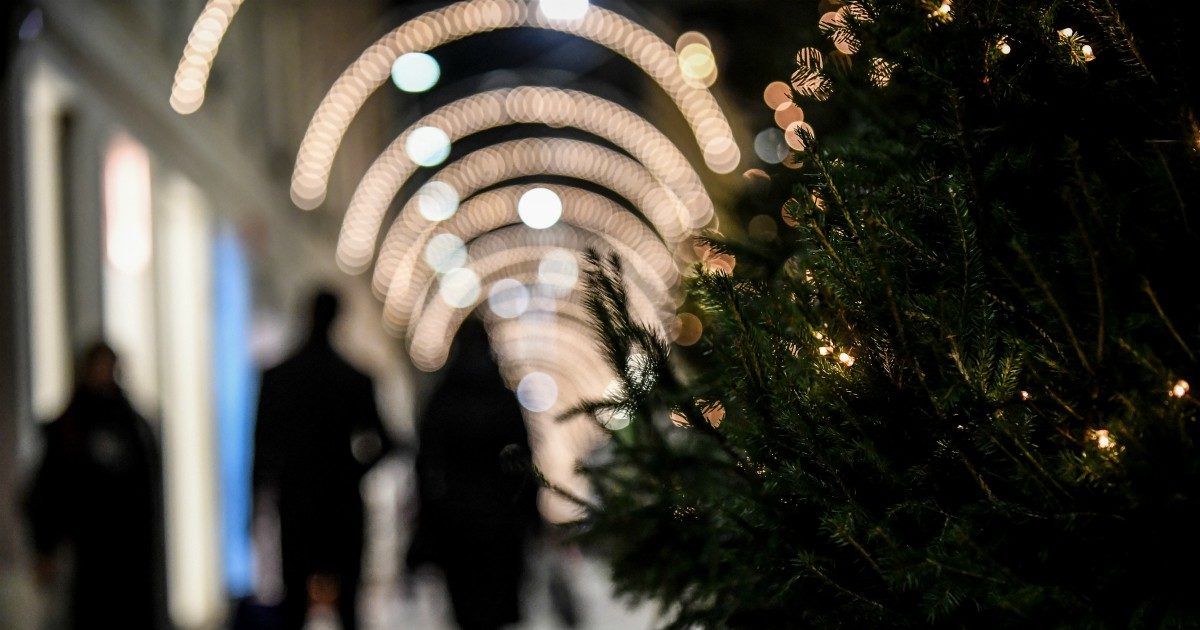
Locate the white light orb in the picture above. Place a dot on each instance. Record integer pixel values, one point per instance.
(563, 9)
(437, 201)
(614, 419)
(537, 391)
(427, 146)
(697, 63)
(770, 147)
(508, 298)
(415, 72)
(459, 288)
(558, 271)
(445, 252)
(539, 208)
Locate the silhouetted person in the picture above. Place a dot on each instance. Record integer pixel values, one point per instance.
(477, 500)
(318, 433)
(96, 491)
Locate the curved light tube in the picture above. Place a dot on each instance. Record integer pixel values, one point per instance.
(496, 108)
(432, 29)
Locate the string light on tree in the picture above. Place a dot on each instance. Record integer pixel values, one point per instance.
(845, 359)
(1180, 389)
(1003, 46)
(1103, 439)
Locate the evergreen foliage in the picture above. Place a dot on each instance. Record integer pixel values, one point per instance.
(1004, 246)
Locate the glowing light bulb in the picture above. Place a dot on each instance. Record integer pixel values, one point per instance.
(539, 208)
(445, 252)
(824, 351)
(563, 9)
(537, 391)
(1104, 439)
(459, 288)
(1025, 395)
(508, 298)
(437, 201)
(845, 359)
(1004, 47)
(1087, 52)
(944, 9)
(415, 72)
(427, 146)
(1180, 389)
(1067, 32)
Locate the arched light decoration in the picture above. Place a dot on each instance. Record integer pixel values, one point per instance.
(441, 26)
(191, 77)
(495, 108)
(433, 330)
(496, 208)
(531, 157)
(518, 247)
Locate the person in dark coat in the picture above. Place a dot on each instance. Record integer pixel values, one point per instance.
(318, 433)
(97, 492)
(477, 500)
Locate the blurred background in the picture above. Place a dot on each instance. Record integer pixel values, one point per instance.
(170, 224)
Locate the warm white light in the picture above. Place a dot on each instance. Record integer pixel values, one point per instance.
(1180, 389)
(770, 147)
(563, 9)
(558, 271)
(824, 350)
(427, 146)
(845, 359)
(508, 298)
(437, 201)
(697, 63)
(415, 72)
(1104, 439)
(539, 208)
(1067, 32)
(537, 391)
(1025, 395)
(459, 288)
(1005, 48)
(445, 252)
(127, 206)
(1086, 49)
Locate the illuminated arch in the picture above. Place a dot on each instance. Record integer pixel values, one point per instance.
(523, 158)
(432, 29)
(496, 209)
(496, 108)
(431, 332)
(520, 246)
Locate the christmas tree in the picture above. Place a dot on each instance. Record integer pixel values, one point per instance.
(954, 390)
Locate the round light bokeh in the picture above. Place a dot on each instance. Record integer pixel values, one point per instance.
(437, 201)
(427, 146)
(539, 208)
(508, 298)
(770, 147)
(459, 288)
(558, 271)
(697, 63)
(537, 392)
(415, 72)
(445, 252)
(563, 9)
(614, 419)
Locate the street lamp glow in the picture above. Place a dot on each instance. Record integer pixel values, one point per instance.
(563, 9)
(539, 208)
(427, 146)
(415, 72)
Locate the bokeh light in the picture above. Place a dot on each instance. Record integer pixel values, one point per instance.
(537, 392)
(445, 252)
(415, 72)
(459, 288)
(508, 298)
(539, 208)
(427, 146)
(770, 147)
(563, 9)
(437, 201)
(558, 271)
